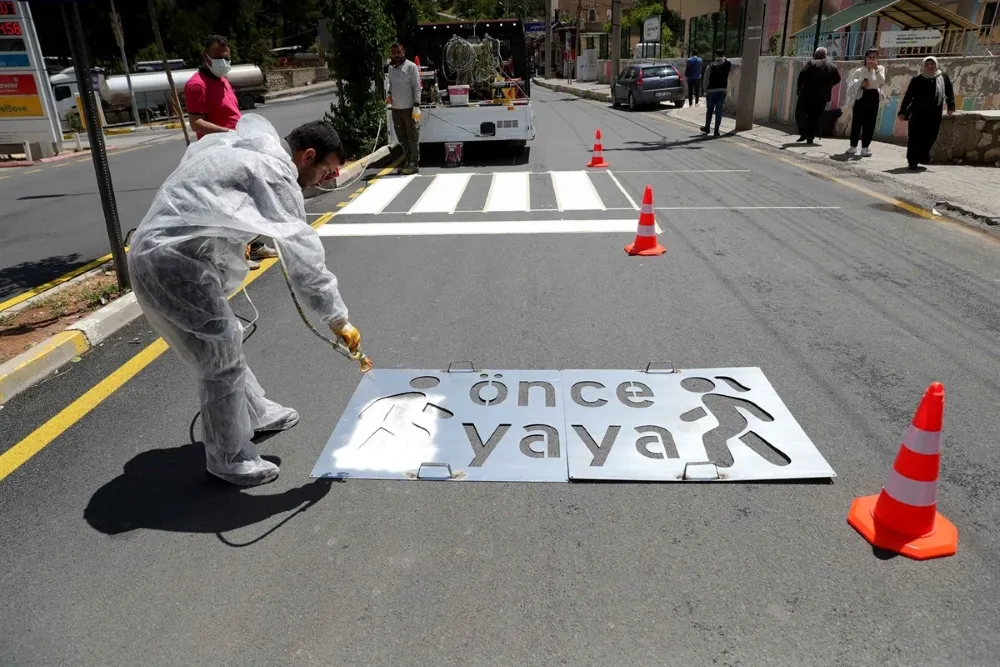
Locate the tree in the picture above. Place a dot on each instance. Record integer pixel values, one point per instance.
(361, 33)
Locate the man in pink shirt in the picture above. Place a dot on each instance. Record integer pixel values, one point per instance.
(212, 107)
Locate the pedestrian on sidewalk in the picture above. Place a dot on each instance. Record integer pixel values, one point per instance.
(212, 108)
(716, 86)
(404, 98)
(692, 72)
(865, 88)
(186, 258)
(922, 105)
(815, 86)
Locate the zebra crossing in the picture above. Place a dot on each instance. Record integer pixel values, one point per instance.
(501, 192)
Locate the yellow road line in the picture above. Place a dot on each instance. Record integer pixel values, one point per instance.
(38, 439)
(32, 171)
(24, 296)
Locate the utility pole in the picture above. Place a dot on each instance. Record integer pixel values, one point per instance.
(747, 91)
(784, 28)
(819, 24)
(98, 153)
(116, 27)
(166, 68)
(548, 39)
(616, 38)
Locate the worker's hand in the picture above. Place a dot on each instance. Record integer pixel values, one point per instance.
(348, 334)
(865, 84)
(416, 114)
(951, 112)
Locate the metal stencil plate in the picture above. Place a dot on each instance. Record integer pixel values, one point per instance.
(723, 424)
(423, 424)
(716, 424)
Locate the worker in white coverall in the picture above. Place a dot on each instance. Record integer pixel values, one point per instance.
(187, 257)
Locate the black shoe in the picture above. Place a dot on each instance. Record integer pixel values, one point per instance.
(800, 139)
(704, 130)
(718, 134)
(914, 166)
(810, 142)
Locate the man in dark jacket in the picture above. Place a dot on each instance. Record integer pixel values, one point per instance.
(816, 82)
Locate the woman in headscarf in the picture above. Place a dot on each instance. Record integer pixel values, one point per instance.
(864, 88)
(923, 103)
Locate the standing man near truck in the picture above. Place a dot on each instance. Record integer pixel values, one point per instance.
(212, 108)
(404, 98)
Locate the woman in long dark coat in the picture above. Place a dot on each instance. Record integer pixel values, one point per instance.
(923, 103)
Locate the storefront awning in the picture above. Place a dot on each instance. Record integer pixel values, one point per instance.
(909, 14)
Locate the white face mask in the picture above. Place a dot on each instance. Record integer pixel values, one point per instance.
(719, 60)
(220, 67)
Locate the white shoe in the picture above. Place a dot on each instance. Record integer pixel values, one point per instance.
(285, 420)
(852, 150)
(865, 152)
(244, 468)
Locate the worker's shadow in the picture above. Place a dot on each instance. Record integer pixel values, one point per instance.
(168, 489)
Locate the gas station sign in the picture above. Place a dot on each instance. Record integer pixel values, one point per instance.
(27, 109)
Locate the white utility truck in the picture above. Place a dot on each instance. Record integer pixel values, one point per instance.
(475, 84)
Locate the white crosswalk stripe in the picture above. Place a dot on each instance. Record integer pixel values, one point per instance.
(378, 195)
(509, 192)
(576, 192)
(443, 194)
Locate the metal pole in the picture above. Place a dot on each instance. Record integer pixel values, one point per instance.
(166, 68)
(784, 28)
(746, 93)
(116, 25)
(616, 38)
(548, 39)
(819, 23)
(81, 62)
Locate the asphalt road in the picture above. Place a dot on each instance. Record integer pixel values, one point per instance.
(116, 551)
(53, 222)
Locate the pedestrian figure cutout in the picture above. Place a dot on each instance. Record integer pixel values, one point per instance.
(396, 431)
(732, 438)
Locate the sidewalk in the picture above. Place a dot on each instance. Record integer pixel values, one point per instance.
(966, 189)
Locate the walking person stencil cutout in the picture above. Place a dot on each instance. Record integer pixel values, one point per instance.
(731, 440)
(398, 428)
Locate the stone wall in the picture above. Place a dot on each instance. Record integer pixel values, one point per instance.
(282, 79)
(969, 138)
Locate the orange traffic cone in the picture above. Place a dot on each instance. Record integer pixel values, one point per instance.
(597, 160)
(416, 61)
(903, 518)
(645, 237)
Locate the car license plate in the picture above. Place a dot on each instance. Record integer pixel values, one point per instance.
(661, 94)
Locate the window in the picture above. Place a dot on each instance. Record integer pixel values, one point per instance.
(592, 16)
(989, 18)
(62, 93)
(659, 72)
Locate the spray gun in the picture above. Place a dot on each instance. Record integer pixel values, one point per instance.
(364, 361)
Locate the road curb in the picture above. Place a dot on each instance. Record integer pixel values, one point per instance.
(41, 360)
(348, 173)
(304, 91)
(588, 94)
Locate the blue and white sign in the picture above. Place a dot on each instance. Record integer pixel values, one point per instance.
(537, 26)
(14, 61)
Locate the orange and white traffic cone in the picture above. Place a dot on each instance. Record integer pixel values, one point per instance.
(597, 159)
(903, 518)
(645, 236)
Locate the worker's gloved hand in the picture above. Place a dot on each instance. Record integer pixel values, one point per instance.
(416, 114)
(347, 333)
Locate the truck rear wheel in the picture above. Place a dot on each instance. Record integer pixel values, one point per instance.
(247, 101)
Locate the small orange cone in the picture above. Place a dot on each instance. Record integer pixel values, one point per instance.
(903, 518)
(645, 237)
(597, 160)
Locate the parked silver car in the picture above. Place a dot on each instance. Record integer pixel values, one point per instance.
(641, 85)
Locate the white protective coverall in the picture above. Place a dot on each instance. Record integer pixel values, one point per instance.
(187, 256)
